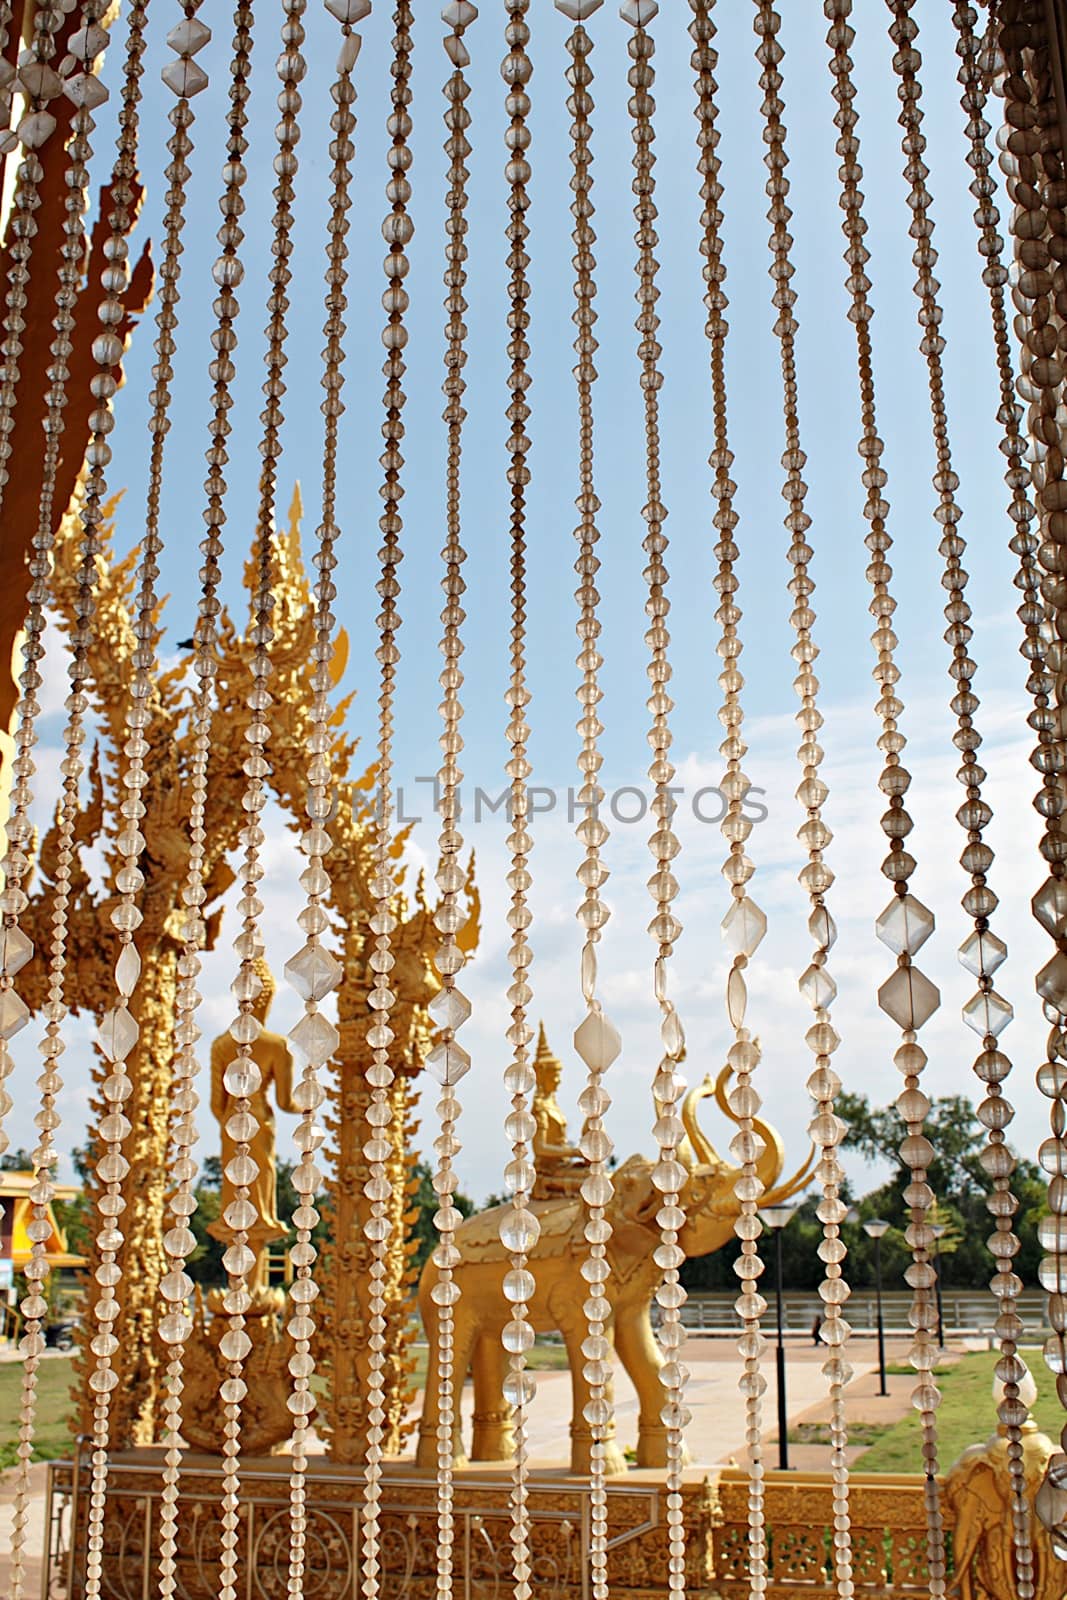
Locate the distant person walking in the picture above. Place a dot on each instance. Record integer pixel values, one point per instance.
(816, 1328)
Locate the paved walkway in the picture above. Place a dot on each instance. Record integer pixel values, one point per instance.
(35, 1530)
(716, 1434)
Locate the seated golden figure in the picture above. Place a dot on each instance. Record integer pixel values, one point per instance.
(559, 1165)
(272, 1056)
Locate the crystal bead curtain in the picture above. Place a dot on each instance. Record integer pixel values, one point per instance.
(63, 59)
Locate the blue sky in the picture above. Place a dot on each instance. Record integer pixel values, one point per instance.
(829, 426)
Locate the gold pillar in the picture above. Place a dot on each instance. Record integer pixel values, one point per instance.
(344, 1357)
(137, 1361)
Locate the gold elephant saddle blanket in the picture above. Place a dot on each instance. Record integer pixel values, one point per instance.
(562, 1220)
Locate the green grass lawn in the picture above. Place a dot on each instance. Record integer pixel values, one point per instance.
(542, 1358)
(966, 1415)
(53, 1400)
(53, 1408)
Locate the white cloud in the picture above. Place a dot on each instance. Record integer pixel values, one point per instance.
(776, 1012)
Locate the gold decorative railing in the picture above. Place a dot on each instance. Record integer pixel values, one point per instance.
(887, 1521)
(888, 1536)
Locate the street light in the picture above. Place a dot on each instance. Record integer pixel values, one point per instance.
(938, 1230)
(775, 1218)
(875, 1229)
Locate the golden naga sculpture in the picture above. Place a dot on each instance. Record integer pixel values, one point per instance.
(556, 1260)
(346, 1265)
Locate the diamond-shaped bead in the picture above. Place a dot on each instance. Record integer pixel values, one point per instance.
(88, 43)
(459, 14)
(36, 129)
(14, 1013)
(127, 970)
(578, 10)
(736, 998)
(743, 927)
(1049, 906)
(822, 928)
(454, 49)
(905, 925)
(313, 972)
(450, 1008)
(1052, 981)
(982, 953)
(16, 948)
(818, 988)
(349, 10)
(86, 90)
(184, 77)
(638, 12)
(597, 1041)
(448, 1063)
(316, 1038)
(909, 997)
(39, 81)
(987, 1013)
(188, 37)
(118, 1033)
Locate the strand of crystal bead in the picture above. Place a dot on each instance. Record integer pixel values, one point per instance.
(314, 971)
(242, 1077)
(669, 1174)
(744, 924)
(992, 1066)
(239, 1079)
(186, 39)
(15, 946)
(905, 923)
(519, 1228)
(397, 231)
(39, 84)
(448, 1060)
(816, 878)
(1033, 162)
(8, 136)
(981, 953)
(118, 1029)
(596, 1039)
(84, 49)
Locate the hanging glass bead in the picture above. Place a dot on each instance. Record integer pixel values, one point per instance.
(816, 878)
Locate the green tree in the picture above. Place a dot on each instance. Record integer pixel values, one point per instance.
(960, 1185)
(19, 1160)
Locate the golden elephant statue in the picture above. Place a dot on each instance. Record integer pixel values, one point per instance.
(481, 1311)
(978, 1505)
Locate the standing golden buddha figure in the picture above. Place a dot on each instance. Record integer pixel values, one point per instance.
(272, 1056)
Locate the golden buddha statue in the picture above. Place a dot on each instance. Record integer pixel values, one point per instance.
(272, 1056)
(559, 1165)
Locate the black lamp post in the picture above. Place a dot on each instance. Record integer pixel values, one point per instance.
(938, 1231)
(874, 1229)
(775, 1218)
